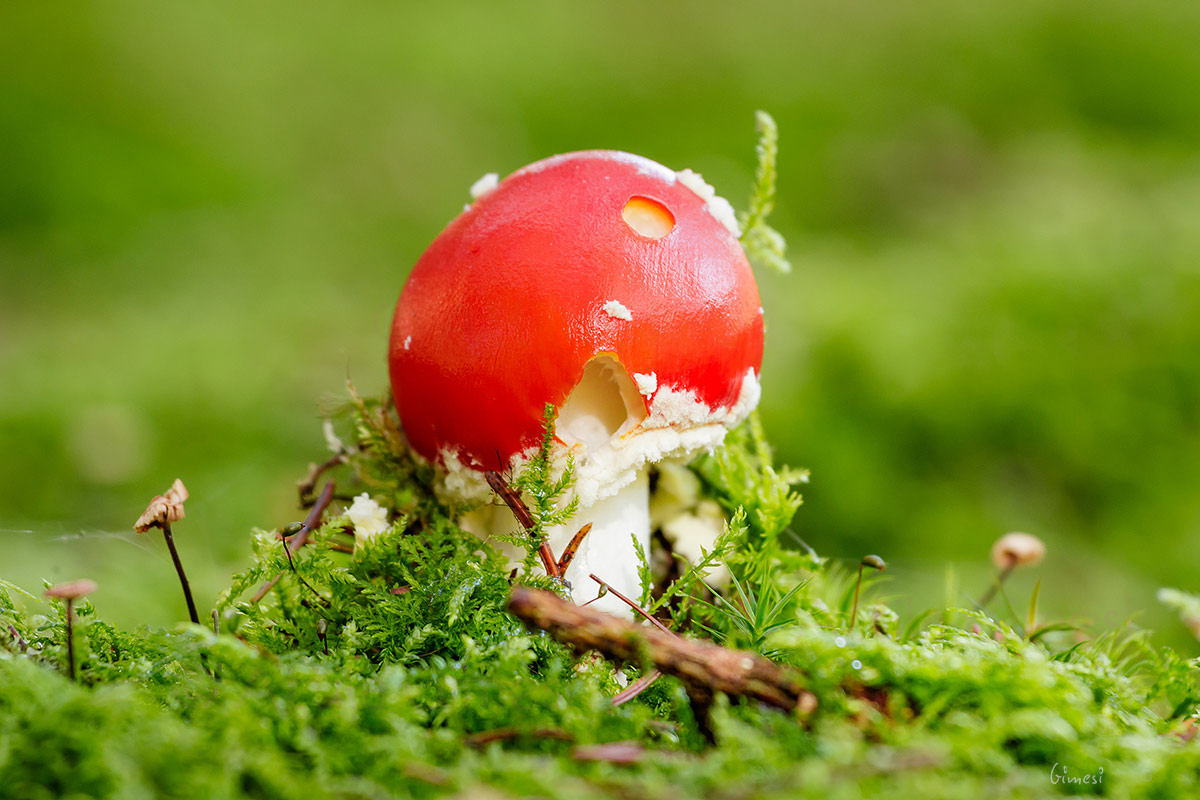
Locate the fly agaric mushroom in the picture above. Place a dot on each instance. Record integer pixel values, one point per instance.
(601, 283)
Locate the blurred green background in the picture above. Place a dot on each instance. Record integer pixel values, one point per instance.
(207, 212)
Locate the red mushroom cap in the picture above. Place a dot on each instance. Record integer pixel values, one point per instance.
(507, 307)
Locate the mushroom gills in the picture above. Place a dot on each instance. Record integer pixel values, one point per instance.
(603, 405)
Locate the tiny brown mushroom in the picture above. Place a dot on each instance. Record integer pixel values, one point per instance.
(1010, 551)
(160, 513)
(70, 592)
(163, 509)
(1018, 549)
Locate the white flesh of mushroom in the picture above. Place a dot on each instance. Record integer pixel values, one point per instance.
(604, 424)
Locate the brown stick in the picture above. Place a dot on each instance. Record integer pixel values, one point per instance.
(521, 512)
(646, 681)
(568, 555)
(503, 734)
(637, 687)
(311, 522)
(705, 668)
(315, 471)
(510, 498)
(649, 617)
(17, 637)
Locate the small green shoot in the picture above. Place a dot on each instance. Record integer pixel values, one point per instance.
(753, 615)
(764, 246)
(1186, 605)
(1031, 616)
(875, 563)
(645, 575)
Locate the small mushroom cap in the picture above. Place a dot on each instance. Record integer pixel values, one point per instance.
(1017, 550)
(72, 590)
(163, 509)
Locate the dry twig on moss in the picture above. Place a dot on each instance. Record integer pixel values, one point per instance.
(704, 667)
(307, 486)
(521, 511)
(311, 523)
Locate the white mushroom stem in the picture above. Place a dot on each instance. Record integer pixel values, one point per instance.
(608, 549)
(605, 425)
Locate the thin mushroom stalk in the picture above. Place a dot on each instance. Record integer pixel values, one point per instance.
(183, 579)
(998, 584)
(69, 593)
(71, 638)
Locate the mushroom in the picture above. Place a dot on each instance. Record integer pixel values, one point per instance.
(601, 283)
(70, 592)
(1012, 550)
(1017, 549)
(160, 513)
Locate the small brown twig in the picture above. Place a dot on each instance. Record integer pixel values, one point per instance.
(426, 773)
(646, 681)
(16, 635)
(649, 617)
(524, 517)
(637, 687)
(266, 587)
(611, 752)
(503, 734)
(568, 554)
(315, 471)
(311, 522)
(705, 668)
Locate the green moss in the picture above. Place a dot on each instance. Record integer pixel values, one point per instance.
(371, 676)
